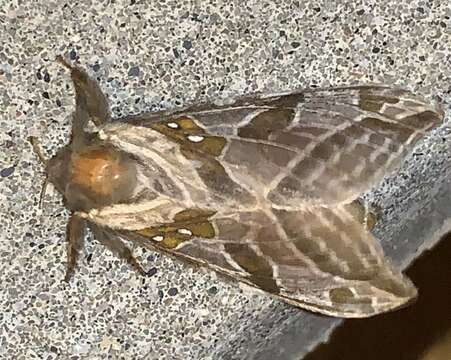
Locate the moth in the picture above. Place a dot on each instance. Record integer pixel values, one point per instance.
(264, 190)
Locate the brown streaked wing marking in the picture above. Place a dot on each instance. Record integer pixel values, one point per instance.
(374, 103)
(337, 243)
(321, 259)
(269, 159)
(213, 174)
(347, 155)
(259, 270)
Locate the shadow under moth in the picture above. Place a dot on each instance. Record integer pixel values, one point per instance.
(264, 190)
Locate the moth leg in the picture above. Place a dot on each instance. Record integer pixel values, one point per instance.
(75, 235)
(365, 213)
(37, 149)
(88, 94)
(116, 246)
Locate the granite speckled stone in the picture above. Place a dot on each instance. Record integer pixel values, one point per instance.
(165, 54)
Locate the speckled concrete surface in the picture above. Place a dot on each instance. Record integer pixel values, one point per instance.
(152, 55)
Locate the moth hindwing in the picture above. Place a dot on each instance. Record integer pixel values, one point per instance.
(264, 190)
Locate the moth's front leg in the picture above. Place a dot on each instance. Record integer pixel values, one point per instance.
(114, 243)
(89, 96)
(75, 235)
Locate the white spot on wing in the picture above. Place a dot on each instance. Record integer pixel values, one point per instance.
(185, 232)
(102, 135)
(173, 125)
(195, 138)
(158, 238)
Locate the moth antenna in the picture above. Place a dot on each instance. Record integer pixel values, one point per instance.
(37, 149)
(63, 62)
(43, 191)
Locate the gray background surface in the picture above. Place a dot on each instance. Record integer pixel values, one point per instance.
(163, 54)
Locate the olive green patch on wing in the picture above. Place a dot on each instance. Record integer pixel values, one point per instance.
(364, 214)
(193, 214)
(177, 129)
(191, 136)
(259, 270)
(345, 296)
(188, 224)
(348, 299)
(211, 145)
(267, 122)
(342, 295)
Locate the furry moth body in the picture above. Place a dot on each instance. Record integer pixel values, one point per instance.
(263, 190)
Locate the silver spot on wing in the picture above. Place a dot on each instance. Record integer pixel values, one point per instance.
(195, 138)
(185, 232)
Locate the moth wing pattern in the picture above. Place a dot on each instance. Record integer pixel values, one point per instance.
(264, 190)
(321, 258)
(322, 146)
(306, 157)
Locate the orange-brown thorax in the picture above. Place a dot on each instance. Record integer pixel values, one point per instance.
(103, 174)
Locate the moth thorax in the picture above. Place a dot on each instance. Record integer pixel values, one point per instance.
(104, 175)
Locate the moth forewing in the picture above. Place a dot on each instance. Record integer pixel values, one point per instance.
(263, 190)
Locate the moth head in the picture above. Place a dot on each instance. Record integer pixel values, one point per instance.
(92, 176)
